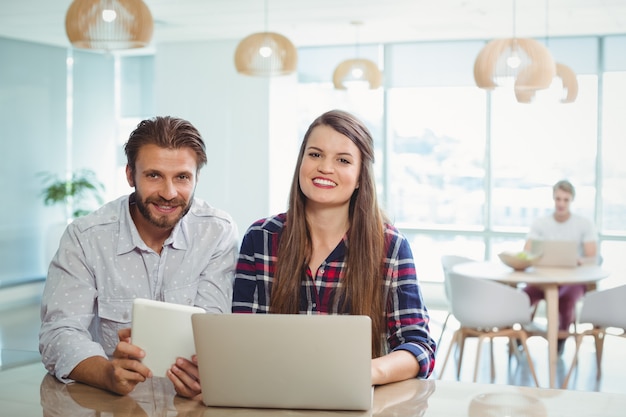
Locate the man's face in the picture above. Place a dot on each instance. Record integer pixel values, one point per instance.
(164, 181)
(562, 201)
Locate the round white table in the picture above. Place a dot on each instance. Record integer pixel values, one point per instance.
(549, 278)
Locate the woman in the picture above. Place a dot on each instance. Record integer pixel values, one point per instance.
(333, 252)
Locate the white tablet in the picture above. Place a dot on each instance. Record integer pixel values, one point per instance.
(163, 330)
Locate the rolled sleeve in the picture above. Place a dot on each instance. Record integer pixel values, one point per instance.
(407, 317)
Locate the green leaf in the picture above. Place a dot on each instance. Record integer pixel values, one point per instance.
(83, 186)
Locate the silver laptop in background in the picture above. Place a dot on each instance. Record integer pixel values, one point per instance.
(284, 361)
(556, 253)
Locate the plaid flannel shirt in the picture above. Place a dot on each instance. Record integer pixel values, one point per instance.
(407, 316)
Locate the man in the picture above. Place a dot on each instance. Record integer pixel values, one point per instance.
(159, 242)
(564, 225)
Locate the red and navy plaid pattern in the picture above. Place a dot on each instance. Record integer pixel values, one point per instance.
(407, 316)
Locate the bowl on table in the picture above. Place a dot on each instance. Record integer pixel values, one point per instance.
(518, 260)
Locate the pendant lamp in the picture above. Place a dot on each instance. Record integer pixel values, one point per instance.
(565, 73)
(266, 54)
(524, 60)
(357, 70)
(568, 79)
(109, 24)
(570, 82)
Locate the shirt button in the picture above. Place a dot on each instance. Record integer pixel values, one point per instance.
(322, 271)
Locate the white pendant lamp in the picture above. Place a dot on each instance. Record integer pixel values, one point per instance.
(266, 54)
(109, 24)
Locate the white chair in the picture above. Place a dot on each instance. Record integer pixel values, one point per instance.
(601, 309)
(447, 263)
(487, 309)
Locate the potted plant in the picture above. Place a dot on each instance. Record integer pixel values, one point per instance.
(78, 194)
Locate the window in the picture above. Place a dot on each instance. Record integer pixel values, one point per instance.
(535, 145)
(463, 171)
(436, 156)
(613, 166)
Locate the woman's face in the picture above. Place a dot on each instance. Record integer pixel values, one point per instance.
(330, 168)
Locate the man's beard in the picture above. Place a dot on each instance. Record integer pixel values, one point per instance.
(161, 222)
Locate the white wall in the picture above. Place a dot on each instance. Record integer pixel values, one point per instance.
(34, 137)
(236, 115)
(249, 124)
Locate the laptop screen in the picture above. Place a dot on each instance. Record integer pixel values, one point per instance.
(284, 361)
(558, 253)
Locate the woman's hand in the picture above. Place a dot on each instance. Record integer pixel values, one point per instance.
(393, 367)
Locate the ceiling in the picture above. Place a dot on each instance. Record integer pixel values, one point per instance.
(328, 22)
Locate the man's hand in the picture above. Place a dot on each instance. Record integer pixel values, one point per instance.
(186, 378)
(120, 374)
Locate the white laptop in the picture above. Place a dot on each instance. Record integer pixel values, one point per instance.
(559, 253)
(284, 361)
(163, 330)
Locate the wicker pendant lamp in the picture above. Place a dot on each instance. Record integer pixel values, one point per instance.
(109, 24)
(266, 54)
(357, 70)
(570, 86)
(524, 60)
(570, 82)
(565, 73)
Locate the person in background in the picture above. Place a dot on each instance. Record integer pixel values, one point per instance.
(334, 252)
(564, 225)
(159, 242)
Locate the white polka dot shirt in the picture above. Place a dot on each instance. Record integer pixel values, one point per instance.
(102, 265)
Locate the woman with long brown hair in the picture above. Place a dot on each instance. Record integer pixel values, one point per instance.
(334, 252)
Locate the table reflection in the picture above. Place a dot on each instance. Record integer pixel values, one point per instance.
(408, 398)
(506, 404)
(156, 397)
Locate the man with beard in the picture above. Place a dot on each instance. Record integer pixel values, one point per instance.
(159, 243)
